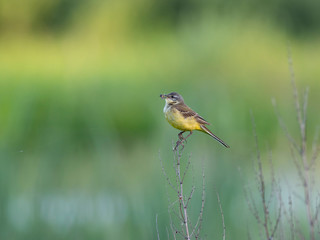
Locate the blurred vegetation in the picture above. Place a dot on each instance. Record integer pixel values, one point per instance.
(297, 17)
(81, 119)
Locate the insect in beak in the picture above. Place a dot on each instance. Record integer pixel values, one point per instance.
(163, 96)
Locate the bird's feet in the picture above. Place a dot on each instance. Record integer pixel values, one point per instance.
(181, 140)
(179, 143)
(181, 136)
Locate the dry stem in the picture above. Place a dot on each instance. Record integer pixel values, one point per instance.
(264, 220)
(179, 207)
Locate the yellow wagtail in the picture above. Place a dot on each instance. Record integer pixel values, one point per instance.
(180, 116)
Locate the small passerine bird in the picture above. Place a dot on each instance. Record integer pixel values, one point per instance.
(182, 117)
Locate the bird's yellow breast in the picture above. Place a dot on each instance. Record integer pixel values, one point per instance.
(177, 120)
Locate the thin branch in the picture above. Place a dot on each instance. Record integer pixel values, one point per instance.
(292, 227)
(173, 203)
(180, 222)
(190, 196)
(251, 204)
(187, 168)
(297, 164)
(301, 117)
(284, 127)
(157, 227)
(295, 89)
(315, 218)
(166, 176)
(261, 181)
(305, 106)
(181, 198)
(177, 215)
(197, 226)
(222, 217)
(278, 218)
(273, 180)
(174, 232)
(315, 149)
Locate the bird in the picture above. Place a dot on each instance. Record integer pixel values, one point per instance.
(182, 117)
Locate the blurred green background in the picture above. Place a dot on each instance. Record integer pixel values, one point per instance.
(81, 121)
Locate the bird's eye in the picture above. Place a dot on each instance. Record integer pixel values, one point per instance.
(172, 97)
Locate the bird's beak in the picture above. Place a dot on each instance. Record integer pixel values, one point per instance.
(163, 96)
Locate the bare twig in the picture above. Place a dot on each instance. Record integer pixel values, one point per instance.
(180, 222)
(291, 219)
(302, 118)
(187, 168)
(251, 204)
(181, 198)
(261, 182)
(166, 175)
(190, 196)
(263, 216)
(278, 218)
(284, 127)
(273, 180)
(198, 225)
(174, 231)
(222, 217)
(157, 227)
(271, 227)
(315, 149)
(315, 219)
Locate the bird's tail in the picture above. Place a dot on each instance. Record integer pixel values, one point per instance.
(206, 130)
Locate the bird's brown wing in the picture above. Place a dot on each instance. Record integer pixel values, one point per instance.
(201, 120)
(188, 112)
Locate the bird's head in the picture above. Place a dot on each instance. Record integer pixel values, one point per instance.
(172, 98)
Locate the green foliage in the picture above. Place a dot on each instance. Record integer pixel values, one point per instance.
(297, 17)
(56, 15)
